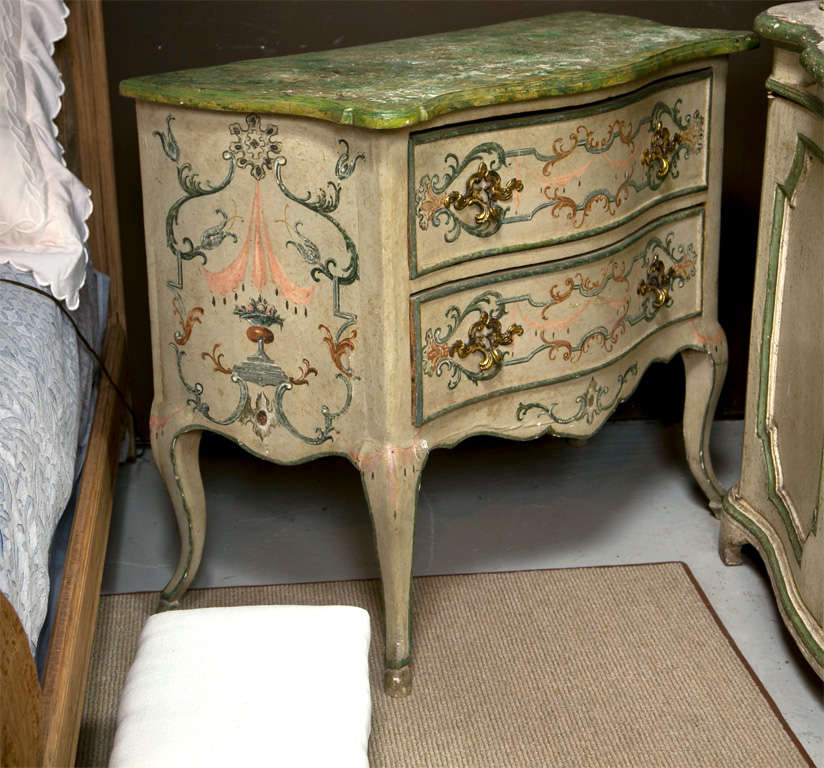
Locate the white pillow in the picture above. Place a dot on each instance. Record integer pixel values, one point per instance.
(43, 206)
(263, 685)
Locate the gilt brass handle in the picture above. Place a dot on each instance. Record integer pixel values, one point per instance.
(661, 150)
(483, 188)
(485, 337)
(657, 281)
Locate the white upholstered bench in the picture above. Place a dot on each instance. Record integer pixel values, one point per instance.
(248, 686)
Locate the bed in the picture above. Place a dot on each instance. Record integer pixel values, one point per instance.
(40, 718)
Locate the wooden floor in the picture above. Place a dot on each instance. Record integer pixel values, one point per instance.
(489, 505)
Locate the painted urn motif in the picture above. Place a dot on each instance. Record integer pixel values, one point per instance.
(259, 367)
(261, 316)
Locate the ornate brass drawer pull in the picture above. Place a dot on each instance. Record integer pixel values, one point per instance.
(661, 150)
(486, 343)
(483, 188)
(657, 281)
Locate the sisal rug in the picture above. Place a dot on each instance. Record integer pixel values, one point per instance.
(604, 667)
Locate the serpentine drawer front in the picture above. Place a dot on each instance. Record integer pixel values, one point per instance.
(373, 252)
(580, 171)
(569, 317)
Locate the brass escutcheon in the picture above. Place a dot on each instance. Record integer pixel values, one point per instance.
(657, 281)
(483, 188)
(661, 150)
(485, 337)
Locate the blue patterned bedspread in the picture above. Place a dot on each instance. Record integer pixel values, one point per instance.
(45, 414)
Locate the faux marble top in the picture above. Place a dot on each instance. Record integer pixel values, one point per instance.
(404, 82)
(799, 26)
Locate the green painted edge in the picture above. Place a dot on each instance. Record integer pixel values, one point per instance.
(428, 135)
(143, 89)
(548, 117)
(795, 36)
(517, 247)
(783, 192)
(817, 510)
(540, 269)
(806, 100)
(707, 425)
(769, 555)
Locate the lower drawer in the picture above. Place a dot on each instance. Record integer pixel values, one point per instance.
(529, 327)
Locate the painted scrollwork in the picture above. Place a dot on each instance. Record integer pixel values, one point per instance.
(345, 166)
(591, 403)
(254, 147)
(431, 193)
(586, 285)
(193, 188)
(659, 161)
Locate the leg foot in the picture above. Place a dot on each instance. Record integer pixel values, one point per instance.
(730, 541)
(178, 462)
(705, 370)
(390, 479)
(397, 682)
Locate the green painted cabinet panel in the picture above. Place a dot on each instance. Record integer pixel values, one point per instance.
(776, 504)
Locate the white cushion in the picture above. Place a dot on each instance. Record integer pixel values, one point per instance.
(43, 206)
(248, 686)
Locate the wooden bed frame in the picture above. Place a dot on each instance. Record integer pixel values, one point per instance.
(40, 725)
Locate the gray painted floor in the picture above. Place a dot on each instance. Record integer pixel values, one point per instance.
(625, 496)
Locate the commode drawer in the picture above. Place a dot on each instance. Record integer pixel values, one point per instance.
(563, 174)
(524, 328)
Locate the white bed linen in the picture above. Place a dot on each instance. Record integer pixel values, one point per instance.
(45, 412)
(43, 206)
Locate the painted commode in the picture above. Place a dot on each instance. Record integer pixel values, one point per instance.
(776, 505)
(377, 251)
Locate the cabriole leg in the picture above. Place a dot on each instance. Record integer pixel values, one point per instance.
(705, 370)
(179, 464)
(390, 481)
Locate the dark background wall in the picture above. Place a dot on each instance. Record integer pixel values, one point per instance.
(149, 37)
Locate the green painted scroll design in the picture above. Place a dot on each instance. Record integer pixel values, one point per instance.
(265, 414)
(431, 191)
(193, 188)
(196, 392)
(324, 203)
(590, 402)
(345, 166)
(168, 141)
(805, 148)
(435, 359)
(254, 147)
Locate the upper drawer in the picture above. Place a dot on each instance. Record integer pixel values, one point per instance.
(583, 170)
(566, 317)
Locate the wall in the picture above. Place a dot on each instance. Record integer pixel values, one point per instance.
(150, 37)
